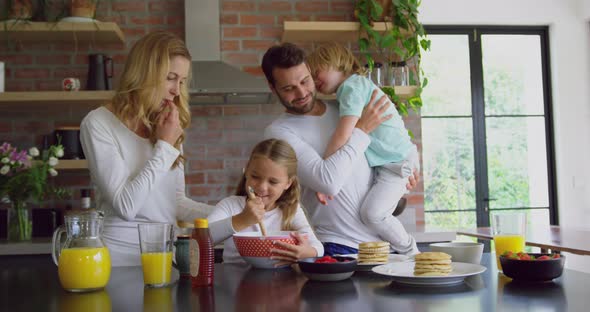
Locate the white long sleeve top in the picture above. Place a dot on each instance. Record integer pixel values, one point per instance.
(345, 174)
(222, 229)
(134, 183)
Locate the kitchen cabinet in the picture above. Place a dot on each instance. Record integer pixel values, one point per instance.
(95, 32)
(296, 31)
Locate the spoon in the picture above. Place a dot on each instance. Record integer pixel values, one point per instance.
(251, 195)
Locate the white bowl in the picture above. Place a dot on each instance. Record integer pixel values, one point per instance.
(468, 252)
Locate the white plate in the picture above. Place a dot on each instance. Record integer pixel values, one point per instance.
(368, 266)
(403, 272)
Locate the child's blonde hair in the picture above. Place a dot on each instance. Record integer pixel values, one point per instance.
(333, 55)
(279, 152)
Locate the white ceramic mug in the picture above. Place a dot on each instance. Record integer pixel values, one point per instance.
(468, 252)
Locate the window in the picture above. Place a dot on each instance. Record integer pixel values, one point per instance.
(486, 126)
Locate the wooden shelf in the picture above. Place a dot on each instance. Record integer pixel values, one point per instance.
(403, 92)
(97, 32)
(52, 99)
(294, 31)
(72, 164)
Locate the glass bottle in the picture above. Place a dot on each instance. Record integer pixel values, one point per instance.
(399, 74)
(202, 258)
(85, 201)
(377, 75)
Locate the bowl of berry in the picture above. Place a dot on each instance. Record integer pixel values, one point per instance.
(532, 267)
(328, 268)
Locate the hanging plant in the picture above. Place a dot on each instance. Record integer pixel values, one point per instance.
(403, 40)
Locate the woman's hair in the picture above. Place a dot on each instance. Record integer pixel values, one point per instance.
(281, 153)
(140, 88)
(333, 55)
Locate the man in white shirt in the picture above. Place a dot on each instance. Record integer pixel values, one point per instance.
(307, 125)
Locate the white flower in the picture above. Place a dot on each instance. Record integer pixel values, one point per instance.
(33, 151)
(5, 160)
(4, 169)
(52, 172)
(53, 161)
(59, 152)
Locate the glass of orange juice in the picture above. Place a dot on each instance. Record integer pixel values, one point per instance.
(155, 242)
(508, 230)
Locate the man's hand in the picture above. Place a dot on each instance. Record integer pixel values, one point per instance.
(372, 115)
(323, 198)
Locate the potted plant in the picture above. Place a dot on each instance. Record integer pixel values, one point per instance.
(20, 9)
(83, 8)
(402, 40)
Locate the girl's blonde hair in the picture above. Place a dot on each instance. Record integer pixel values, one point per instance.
(333, 55)
(140, 89)
(280, 152)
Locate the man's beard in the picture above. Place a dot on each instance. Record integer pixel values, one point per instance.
(298, 110)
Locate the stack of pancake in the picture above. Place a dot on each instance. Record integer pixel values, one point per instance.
(432, 264)
(373, 253)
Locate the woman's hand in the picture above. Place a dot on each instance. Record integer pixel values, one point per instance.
(292, 253)
(252, 214)
(168, 128)
(372, 115)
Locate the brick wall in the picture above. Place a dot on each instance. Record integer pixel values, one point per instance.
(221, 136)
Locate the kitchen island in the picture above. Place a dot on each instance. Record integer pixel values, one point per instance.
(30, 283)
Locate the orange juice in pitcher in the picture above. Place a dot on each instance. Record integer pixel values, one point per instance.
(83, 261)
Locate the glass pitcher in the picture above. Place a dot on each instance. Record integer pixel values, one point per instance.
(83, 260)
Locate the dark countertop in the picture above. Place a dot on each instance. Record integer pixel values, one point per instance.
(30, 283)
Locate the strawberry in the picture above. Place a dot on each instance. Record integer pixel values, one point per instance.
(524, 256)
(544, 258)
(556, 256)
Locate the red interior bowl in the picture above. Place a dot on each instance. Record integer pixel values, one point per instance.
(253, 244)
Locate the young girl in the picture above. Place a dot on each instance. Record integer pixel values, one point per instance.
(391, 152)
(271, 174)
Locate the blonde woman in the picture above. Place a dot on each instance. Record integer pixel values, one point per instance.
(133, 146)
(271, 173)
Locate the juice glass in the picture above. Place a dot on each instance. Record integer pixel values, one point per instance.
(508, 230)
(155, 241)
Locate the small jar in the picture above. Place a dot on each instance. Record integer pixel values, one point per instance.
(399, 75)
(377, 74)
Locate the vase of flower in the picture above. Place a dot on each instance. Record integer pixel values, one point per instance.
(24, 176)
(20, 225)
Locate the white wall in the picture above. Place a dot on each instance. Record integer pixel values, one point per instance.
(585, 8)
(569, 38)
